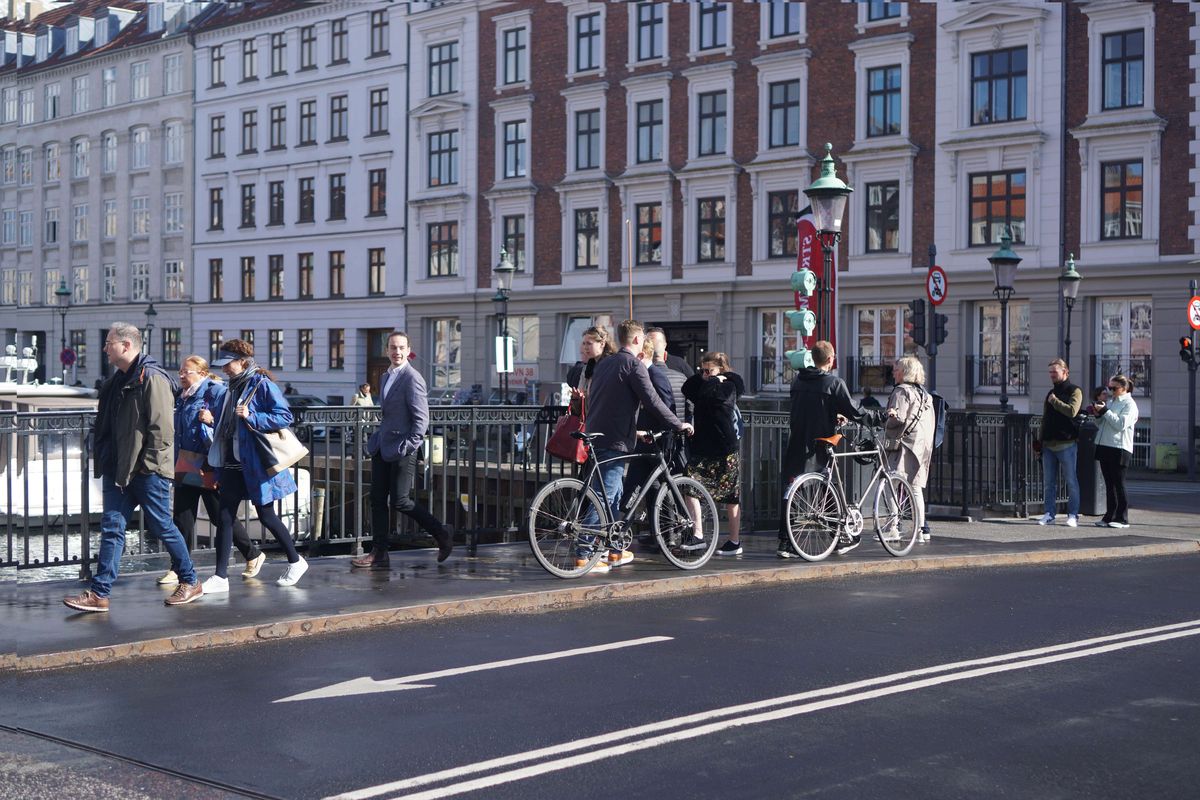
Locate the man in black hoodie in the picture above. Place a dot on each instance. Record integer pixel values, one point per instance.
(818, 399)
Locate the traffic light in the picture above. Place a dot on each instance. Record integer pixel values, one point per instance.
(1186, 352)
(799, 359)
(939, 328)
(803, 322)
(916, 315)
(804, 282)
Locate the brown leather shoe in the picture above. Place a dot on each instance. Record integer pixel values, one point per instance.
(87, 601)
(376, 559)
(185, 593)
(445, 543)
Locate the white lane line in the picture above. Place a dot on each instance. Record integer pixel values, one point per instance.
(704, 716)
(368, 685)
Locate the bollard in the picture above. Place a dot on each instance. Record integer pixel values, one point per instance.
(318, 512)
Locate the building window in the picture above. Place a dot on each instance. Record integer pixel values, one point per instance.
(173, 212)
(139, 215)
(785, 19)
(172, 74)
(174, 286)
(9, 228)
(25, 159)
(649, 233)
(79, 222)
(79, 345)
(443, 68)
(587, 139)
(308, 47)
(274, 348)
(883, 217)
(139, 141)
(216, 208)
(337, 348)
(379, 32)
(53, 170)
(989, 362)
(172, 347)
(8, 287)
(307, 201)
(216, 68)
(513, 241)
(247, 277)
(249, 59)
(997, 202)
(247, 205)
(514, 56)
(278, 54)
(139, 281)
(710, 229)
(1125, 341)
(878, 10)
(52, 108)
(777, 337)
(275, 203)
(337, 273)
(1123, 66)
(1121, 200)
(80, 94)
(883, 101)
(249, 131)
(781, 224)
(337, 196)
(140, 80)
(587, 238)
(215, 338)
(308, 122)
(278, 127)
(79, 158)
(376, 270)
(108, 87)
(711, 123)
(339, 117)
(713, 19)
(447, 347)
(515, 138)
(216, 280)
(305, 348)
(443, 158)
(587, 42)
(247, 336)
(275, 277)
(216, 136)
(27, 106)
(25, 229)
(650, 17)
(173, 138)
(339, 42)
(9, 107)
(881, 336)
(443, 249)
(998, 86)
(304, 264)
(108, 152)
(785, 114)
(50, 232)
(649, 131)
(110, 283)
(8, 157)
(379, 111)
(377, 192)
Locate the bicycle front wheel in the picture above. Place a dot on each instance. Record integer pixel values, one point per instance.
(895, 514)
(675, 528)
(561, 542)
(814, 516)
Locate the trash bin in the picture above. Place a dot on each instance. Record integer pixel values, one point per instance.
(1092, 499)
(1166, 457)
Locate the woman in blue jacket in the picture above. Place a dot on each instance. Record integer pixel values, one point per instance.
(1114, 447)
(201, 392)
(252, 403)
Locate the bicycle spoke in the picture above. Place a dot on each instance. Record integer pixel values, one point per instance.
(814, 514)
(558, 535)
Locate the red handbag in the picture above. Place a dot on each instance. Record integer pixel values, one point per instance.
(562, 444)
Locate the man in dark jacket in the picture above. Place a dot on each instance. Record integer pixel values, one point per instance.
(1060, 442)
(818, 399)
(135, 458)
(620, 384)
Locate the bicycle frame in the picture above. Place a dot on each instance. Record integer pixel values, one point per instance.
(642, 492)
(835, 475)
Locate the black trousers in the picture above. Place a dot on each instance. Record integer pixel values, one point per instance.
(231, 493)
(393, 481)
(1113, 463)
(794, 467)
(187, 500)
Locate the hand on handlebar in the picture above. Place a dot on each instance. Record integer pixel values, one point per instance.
(687, 429)
(841, 420)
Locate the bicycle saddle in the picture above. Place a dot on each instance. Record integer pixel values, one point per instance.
(832, 441)
(586, 437)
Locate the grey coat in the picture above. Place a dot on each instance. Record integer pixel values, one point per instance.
(405, 419)
(916, 440)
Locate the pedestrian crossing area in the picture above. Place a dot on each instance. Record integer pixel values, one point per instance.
(1162, 488)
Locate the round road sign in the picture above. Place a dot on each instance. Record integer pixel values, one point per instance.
(935, 285)
(1194, 313)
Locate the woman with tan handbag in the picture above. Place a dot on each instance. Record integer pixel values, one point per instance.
(254, 406)
(195, 481)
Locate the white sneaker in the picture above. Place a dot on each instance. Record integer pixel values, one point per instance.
(1072, 520)
(600, 568)
(254, 565)
(1047, 519)
(292, 574)
(924, 538)
(170, 579)
(619, 559)
(215, 584)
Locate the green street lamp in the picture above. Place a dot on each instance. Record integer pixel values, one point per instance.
(504, 276)
(1068, 283)
(62, 297)
(1004, 268)
(827, 195)
(150, 315)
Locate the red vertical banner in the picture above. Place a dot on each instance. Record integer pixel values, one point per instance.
(808, 256)
(832, 311)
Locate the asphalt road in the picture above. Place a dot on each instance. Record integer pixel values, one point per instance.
(793, 691)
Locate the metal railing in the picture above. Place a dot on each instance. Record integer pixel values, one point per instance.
(874, 373)
(1137, 368)
(983, 372)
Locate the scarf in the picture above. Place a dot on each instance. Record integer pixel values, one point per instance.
(237, 387)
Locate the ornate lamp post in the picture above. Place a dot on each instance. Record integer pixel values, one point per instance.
(150, 315)
(1004, 267)
(827, 195)
(1068, 283)
(504, 275)
(62, 296)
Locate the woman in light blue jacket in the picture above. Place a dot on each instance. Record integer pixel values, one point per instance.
(1114, 447)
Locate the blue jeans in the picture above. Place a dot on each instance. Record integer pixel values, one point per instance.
(153, 494)
(1051, 460)
(608, 483)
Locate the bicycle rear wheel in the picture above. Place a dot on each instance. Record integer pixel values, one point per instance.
(561, 542)
(895, 514)
(814, 516)
(673, 526)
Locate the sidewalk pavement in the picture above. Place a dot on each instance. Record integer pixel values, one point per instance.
(39, 632)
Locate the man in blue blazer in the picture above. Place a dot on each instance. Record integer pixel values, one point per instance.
(393, 448)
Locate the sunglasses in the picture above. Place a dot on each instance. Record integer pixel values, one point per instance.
(1113, 388)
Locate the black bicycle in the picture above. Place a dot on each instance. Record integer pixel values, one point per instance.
(570, 528)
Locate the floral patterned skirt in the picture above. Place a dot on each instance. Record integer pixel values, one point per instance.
(722, 476)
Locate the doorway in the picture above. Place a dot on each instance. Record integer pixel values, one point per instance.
(377, 357)
(688, 340)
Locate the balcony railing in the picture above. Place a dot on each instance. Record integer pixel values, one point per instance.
(1136, 368)
(875, 373)
(770, 375)
(984, 373)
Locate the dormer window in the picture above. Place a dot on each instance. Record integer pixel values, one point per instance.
(72, 40)
(42, 48)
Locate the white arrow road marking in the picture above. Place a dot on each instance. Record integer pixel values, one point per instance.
(700, 724)
(367, 685)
